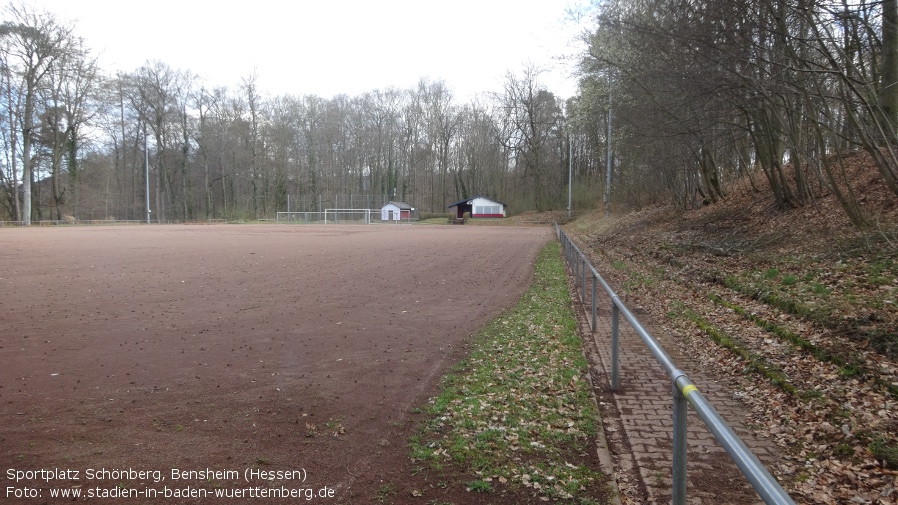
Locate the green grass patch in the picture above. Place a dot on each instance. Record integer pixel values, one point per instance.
(820, 290)
(815, 303)
(754, 363)
(519, 411)
(882, 270)
(849, 299)
(384, 492)
(885, 451)
(850, 366)
(434, 220)
(782, 333)
(782, 301)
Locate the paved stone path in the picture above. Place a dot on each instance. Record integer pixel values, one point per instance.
(638, 419)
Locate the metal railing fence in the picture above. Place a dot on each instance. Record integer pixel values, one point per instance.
(684, 391)
(63, 222)
(102, 222)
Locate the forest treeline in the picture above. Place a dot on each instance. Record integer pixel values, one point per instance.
(78, 142)
(773, 91)
(677, 100)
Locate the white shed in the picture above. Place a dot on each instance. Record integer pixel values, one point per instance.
(479, 206)
(396, 211)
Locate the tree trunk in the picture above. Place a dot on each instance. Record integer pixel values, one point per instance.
(27, 130)
(888, 87)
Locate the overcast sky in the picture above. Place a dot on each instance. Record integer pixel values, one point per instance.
(329, 47)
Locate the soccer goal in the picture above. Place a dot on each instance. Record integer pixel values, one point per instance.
(328, 216)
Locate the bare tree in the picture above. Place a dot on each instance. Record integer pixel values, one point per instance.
(158, 95)
(67, 109)
(529, 118)
(35, 42)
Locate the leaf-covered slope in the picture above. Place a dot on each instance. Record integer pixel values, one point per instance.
(798, 308)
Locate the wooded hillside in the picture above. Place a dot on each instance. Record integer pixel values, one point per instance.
(796, 309)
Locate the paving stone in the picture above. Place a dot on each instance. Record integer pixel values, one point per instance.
(643, 410)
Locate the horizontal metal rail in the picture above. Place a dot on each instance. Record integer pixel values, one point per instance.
(684, 391)
(74, 222)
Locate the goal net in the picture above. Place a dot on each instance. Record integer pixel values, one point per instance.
(328, 216)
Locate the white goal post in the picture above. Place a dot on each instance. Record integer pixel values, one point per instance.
(332, 216)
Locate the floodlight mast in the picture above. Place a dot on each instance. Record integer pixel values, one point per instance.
(570, 172)
(608, 160)
(146, 151)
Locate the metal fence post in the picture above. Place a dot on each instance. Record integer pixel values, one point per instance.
(594, 303)
(583, 279)
(678, 491)
(615, 345)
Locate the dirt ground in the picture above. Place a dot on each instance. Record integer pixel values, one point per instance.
(262, 358)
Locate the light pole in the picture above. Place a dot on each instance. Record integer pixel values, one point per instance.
(570, 171)
(146, 151)
(608, 171)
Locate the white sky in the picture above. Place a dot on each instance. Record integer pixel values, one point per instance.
(328, 47)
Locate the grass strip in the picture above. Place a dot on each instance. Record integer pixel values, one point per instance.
(883, 340)
(755, 362)
(846, 369)
(776, 300)
(788, 336)
(518, 413)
